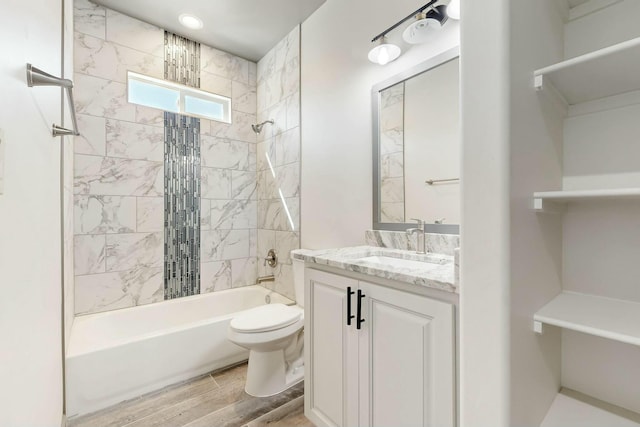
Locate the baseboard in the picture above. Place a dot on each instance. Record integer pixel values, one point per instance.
(63, 421)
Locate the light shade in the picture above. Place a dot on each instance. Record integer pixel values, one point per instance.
(384, 52)
(453, 9)
(190, 21)
(420, 31)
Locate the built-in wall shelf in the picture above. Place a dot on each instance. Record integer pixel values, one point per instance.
(614, 68)
(570, 408)
(552, 201)
(610, 318)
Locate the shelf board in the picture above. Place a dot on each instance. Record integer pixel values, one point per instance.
(553, 201)
(569, 411)
(602, 73)
(569, 195)
(610, 318)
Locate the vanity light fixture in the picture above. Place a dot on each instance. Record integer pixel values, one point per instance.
(384, 52)
(190, 21)
(424, 26)
(453, 9)
(429, 18)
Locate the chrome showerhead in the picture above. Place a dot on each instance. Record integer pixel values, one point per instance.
(257, 128)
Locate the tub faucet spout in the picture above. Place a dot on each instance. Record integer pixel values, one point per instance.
(263, 279)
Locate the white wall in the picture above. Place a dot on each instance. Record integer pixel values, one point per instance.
(336, 112)
(67, 196)
(484, 297)
(30, 307)
(536, 240)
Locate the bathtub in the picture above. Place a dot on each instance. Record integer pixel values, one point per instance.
(122, 354)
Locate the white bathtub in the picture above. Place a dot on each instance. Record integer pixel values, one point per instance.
(122, 354)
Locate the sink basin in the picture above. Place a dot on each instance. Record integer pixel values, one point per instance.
(397, 262)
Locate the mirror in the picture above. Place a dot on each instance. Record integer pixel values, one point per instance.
(416, 147)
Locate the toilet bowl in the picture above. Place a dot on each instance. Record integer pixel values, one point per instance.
(273, 335)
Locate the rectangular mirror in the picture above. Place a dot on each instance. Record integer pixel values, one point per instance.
(416, 147)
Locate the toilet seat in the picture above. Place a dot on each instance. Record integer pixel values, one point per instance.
(266, 318)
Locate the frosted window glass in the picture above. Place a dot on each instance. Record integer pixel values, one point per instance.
(154, 96)
(203, 107)
(177, 98)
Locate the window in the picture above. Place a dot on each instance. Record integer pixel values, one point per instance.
(177, 98)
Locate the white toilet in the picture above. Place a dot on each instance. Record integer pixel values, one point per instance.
(273, 335)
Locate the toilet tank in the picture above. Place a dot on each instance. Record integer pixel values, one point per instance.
(298, 280)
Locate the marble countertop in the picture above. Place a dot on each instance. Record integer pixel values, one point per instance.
(431, 271)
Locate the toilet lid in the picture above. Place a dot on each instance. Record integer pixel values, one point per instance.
(267, 317)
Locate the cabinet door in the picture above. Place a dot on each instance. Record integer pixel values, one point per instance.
(407, 359)
(331, 351)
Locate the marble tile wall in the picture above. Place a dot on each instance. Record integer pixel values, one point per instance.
(228, 176)
(445, 244)
(118, 176)
(278, 159)
(392, 154)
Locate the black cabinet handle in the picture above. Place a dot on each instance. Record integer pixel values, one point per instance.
(349, 315)
(360, 320)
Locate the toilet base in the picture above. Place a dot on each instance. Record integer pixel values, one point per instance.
(267, 374)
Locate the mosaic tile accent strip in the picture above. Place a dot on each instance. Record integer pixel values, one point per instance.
(181, 176)
(181, 60)
(182, 206)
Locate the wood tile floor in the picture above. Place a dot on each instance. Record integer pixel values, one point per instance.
(214, 400)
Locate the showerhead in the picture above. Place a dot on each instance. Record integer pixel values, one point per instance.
(257, 128)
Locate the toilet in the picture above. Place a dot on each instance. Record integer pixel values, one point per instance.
(273, 335)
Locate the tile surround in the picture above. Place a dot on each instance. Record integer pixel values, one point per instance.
(133, 251)
(89, 254)
(111, 291)
(99, 97)
(92, 139)
(118, 186)
(117, 177)
(111, 61)
(444, 244)
(149, 214)
(135, 34)
(278, 159)
(104, 214)
(89, 18)
(182, 176)
(215, 276)
(149, 141)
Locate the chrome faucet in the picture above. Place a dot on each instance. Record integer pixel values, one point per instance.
(420, 241)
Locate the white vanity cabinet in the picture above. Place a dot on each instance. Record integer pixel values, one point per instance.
(391, 364)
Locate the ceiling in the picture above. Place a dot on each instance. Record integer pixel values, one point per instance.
(246, 28)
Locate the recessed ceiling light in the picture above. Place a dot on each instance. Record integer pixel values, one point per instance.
(190, 21)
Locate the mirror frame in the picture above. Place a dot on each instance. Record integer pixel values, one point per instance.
(422, 67)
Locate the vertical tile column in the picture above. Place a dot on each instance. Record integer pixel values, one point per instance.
(182, 176)
(278, 159)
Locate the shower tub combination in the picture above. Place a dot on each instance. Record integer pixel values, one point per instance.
(118, 355)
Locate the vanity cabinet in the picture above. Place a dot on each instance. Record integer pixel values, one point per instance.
(376, 356)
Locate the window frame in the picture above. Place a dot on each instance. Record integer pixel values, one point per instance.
(184, 91)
